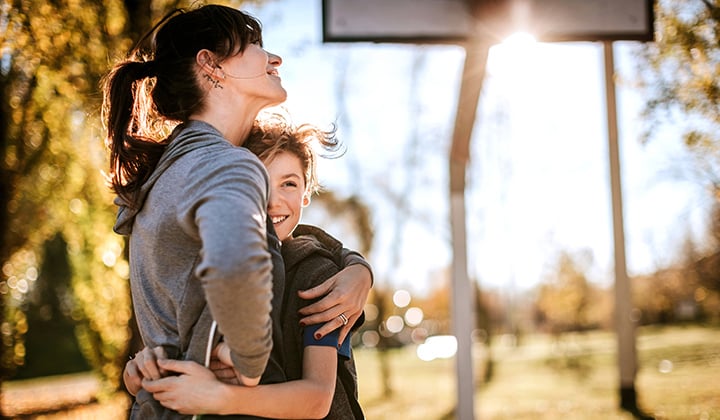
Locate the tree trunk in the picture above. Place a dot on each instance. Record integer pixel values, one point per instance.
(139, 18)
(4, 199)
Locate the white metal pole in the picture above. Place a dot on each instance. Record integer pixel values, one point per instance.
(463, 313)
(625, 325)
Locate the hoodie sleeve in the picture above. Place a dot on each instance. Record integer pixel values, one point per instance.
(350, 257)
(228, 208)
(347, 257)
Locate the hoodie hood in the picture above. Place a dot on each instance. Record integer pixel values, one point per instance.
(186, 138)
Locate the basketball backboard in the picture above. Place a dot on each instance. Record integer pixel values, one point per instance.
(453, 21)
(404, 21)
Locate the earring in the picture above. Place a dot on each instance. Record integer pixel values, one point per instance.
(216, 83)
(222, 73)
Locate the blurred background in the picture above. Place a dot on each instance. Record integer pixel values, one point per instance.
(539, 221)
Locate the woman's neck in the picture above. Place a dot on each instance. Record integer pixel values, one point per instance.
(233, 122)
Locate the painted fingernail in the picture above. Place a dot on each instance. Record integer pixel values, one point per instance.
(318, 336)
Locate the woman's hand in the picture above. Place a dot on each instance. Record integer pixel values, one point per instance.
(222, 367)
(223, 371)
(344, 293)
(194, 390)
(143, 366)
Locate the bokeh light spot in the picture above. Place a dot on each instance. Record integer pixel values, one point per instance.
(401, 298)
(395, 324)
(414, 316)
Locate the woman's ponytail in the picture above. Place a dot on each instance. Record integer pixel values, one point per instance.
(130, 150)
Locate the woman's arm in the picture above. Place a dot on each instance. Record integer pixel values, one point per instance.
(227, 211)
(196, 390)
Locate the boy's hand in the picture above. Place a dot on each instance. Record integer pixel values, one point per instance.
(143, 366)
(192, 390)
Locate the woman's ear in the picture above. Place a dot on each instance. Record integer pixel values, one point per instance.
(209, 69)
(306, 199)
(206, 61)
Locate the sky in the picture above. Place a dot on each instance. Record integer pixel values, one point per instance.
(538, 180)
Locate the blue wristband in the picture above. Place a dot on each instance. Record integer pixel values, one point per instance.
(330, 340)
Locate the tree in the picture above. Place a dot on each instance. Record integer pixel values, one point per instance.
(49, 307)
(681, 76)
(52, 58)
(50, 155)
(564, 298)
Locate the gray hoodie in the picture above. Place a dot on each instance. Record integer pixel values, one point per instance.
(198, 237)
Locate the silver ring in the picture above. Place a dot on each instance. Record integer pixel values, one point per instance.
(343, 318)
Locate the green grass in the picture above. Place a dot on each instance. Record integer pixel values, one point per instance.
(574, 378)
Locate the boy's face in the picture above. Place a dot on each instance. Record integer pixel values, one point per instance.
(288, 194)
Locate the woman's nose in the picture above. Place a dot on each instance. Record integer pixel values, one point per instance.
(274, 59)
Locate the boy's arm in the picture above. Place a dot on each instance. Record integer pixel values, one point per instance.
(197, 391)
(309, 397)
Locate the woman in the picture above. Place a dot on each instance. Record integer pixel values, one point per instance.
(194, 205)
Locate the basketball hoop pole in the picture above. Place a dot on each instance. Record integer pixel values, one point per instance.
(463, 313)
(624, 324)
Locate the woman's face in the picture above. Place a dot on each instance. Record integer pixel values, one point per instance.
(288, 194)
(253, 75)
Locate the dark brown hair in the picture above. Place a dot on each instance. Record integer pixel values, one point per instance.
(155, 88)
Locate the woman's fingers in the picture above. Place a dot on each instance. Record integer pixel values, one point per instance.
(343, 303)
(346, 328)
(319, 290)
(221, 352)
(223, 372)
(337, 322)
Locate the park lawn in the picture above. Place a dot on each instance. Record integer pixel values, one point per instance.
(691, 390)
(574, 377)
